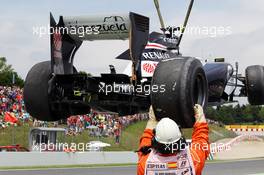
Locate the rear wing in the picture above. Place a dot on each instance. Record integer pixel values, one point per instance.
(67, 36)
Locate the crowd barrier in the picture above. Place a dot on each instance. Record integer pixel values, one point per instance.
(245, 128)
(29, 159)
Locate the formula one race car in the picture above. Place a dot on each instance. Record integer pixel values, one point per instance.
(158, 74)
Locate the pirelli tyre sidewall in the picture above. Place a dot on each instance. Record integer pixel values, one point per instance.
(36, 91)
(185, 84)
(255, 84)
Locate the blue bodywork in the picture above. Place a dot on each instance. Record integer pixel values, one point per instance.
(217, 74)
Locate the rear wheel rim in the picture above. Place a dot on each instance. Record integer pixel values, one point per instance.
(199, 93)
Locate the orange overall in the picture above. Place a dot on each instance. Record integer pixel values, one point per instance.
(199, 147)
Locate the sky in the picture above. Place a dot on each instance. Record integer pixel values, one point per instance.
(242, 20)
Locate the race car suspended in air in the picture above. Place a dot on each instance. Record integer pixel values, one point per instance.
(159, 75)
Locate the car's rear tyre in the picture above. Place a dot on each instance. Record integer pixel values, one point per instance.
(255, 84)
(36, 91)
(185, 84)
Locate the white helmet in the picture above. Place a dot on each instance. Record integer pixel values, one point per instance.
(167, 131)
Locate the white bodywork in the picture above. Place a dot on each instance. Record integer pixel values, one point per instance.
(99, 27)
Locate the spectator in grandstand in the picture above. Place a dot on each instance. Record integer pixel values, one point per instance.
(11, 99)
(117, 132)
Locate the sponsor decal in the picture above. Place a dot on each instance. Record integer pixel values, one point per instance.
(155, 46)
(114, 24)
(172, 165)
(118, 26)
(111, 27)
(183, 156)
(185, 171)
(170, 40)
(57, 45)
(76, 28)
(156, 166)
(155, 55)
(183, 164)
(149, 67)
(165, 173)
(115, 18)
(57, 54)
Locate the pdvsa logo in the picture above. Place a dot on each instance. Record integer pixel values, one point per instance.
(149, 67)
(113, 23)
(113, 19)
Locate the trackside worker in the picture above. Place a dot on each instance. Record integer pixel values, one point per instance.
(163, 149)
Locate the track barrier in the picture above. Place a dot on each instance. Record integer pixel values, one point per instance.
(28, 159)
(216, 148)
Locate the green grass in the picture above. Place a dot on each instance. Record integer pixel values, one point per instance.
(215, 133)
(221, 130)
(129, 138)
(14, 135)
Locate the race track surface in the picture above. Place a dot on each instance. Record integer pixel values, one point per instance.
(249, 167)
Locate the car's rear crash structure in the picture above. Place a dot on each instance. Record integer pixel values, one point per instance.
(55, 90)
